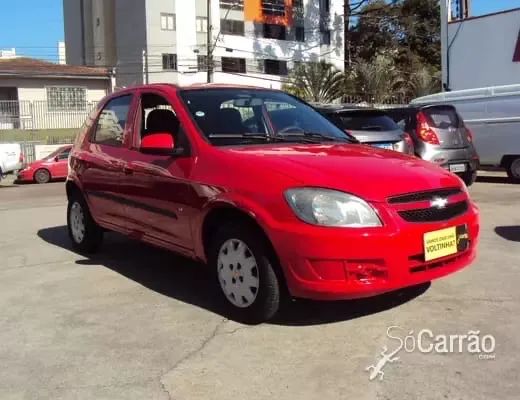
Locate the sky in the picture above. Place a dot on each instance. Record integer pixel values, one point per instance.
(34, 27)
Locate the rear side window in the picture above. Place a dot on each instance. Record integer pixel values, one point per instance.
(112, 120)
(367, 121)
(64, 154)
(442, 117)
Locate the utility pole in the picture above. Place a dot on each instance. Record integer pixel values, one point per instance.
(209, 40)
(346, 32)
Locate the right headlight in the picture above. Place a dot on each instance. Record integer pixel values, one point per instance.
(328, 207)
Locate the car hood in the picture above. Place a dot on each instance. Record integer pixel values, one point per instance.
(370, 173)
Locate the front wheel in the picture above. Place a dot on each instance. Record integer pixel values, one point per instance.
(246, 272)
(42, 176)
(513, 171)
(85, 234)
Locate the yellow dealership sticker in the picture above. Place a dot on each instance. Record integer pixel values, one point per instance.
(440, 243)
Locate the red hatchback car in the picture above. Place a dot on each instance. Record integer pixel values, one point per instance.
(54, 166)
(267, 192)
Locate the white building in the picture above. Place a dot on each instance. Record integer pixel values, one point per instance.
(479, 51)
(8, 53)
(36, 94)
(254, 41)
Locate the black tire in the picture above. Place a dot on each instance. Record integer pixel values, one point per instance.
(93, 233)
(270, 280)
(513, 170)
(469, 178)
(42, 176)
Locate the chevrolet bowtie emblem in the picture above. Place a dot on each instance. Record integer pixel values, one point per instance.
(439, 202)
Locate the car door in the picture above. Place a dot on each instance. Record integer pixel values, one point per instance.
(160, 199)
(102, 164)
(61, 163)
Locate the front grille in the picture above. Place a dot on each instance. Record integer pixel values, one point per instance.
(423, 196)
(435, 214)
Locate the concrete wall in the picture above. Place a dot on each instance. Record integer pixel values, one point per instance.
(33, 111)
(73, 35)
(130, 24)
(482, 51)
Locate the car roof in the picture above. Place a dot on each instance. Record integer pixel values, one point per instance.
(347, 109)
(194, 86)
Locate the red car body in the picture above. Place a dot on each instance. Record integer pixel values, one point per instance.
(55, 164)
(171, 202)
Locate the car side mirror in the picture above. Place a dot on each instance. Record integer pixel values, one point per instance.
(161, 143)
(56, 159)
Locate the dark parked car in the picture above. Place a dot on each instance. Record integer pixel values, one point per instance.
(440, 136)
(370, 126)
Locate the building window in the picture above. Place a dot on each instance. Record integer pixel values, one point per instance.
(325, 5)
(232, 64)
(169, 62)
(272, 31)
(202, 24)
(167, 22)
(232, 27)
(63, 98)
(232, 4)
(299, 33)
(325, 37)
(202, 62)
(273, 7)
(275, 67)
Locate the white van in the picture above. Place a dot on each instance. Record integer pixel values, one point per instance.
(493, 115)
(11, 158)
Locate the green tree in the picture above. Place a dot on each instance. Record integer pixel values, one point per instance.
(378, 79)
(318, 82)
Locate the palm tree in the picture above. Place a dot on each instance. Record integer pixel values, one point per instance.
(424, 81)
(378, 79)
(318, 82)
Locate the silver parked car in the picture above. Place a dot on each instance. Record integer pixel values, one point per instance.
(440, 136)
(370, 126)
(493, 115)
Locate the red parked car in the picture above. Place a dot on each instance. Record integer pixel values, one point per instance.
(272, 196)
(54, 166)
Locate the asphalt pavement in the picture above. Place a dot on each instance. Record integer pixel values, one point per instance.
(134, 322)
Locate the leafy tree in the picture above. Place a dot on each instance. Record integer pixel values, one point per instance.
(378, 79)
(318, 82)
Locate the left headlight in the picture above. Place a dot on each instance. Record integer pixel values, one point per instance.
(328, 207)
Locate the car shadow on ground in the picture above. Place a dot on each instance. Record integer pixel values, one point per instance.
(190, 282)
(511, 233)
(494, 179)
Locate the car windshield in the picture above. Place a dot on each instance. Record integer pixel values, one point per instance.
(249, 116)
(366, 120)
(54, 153)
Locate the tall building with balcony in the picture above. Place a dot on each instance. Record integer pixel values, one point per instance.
(254, 42)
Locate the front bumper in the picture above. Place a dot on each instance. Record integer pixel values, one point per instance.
(25, 175)
(322, 263)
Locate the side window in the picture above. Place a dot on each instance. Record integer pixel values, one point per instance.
(64, 155)
(112, 120)
(158, 116)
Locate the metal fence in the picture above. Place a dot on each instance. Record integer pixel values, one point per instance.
(41, 115)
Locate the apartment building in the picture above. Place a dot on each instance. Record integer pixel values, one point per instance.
(254, 42)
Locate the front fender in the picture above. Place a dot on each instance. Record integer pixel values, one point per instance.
(241, 203)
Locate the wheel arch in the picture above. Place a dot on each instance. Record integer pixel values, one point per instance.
(222, 214)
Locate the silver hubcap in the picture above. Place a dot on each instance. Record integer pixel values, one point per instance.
(238, 273)
(515, 168)
(77, 222)
(41, 176)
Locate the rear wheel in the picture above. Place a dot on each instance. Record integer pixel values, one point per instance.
(513, 170)
(246, 273)
(85, 234)
(42, 176)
